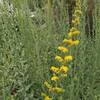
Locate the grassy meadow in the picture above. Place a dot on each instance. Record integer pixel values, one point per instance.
(30, 32)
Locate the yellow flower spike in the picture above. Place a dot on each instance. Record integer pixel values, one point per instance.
(54, 78)
(64, 69)
(63, 49)
(54, 69)
(47, 84)
(59, 58)
(68, 58)
(72, 34)
(57, 90)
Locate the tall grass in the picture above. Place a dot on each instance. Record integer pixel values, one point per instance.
(28, 46)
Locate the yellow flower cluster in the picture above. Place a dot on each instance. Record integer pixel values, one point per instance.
(54, 78)
(59, 58)
(63, 69)
(53, 89)
(71, 42)
(73, 33)
(67, 58)
(63, 49)
(54, 69)
(61, 72)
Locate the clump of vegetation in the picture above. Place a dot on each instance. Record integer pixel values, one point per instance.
(31, 33)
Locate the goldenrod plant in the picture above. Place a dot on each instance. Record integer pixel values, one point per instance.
(60, 72)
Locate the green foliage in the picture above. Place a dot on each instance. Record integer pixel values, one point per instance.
(28, 46)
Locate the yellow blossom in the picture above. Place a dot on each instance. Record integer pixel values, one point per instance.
(76, 42)
(63, 49)
(47, 98)
(68, 42)
(75, 33)
(54, 78)
(54, 69)
(58, 58)
(64, 69)
(68, 58)
(71, 42)
(56, 90)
